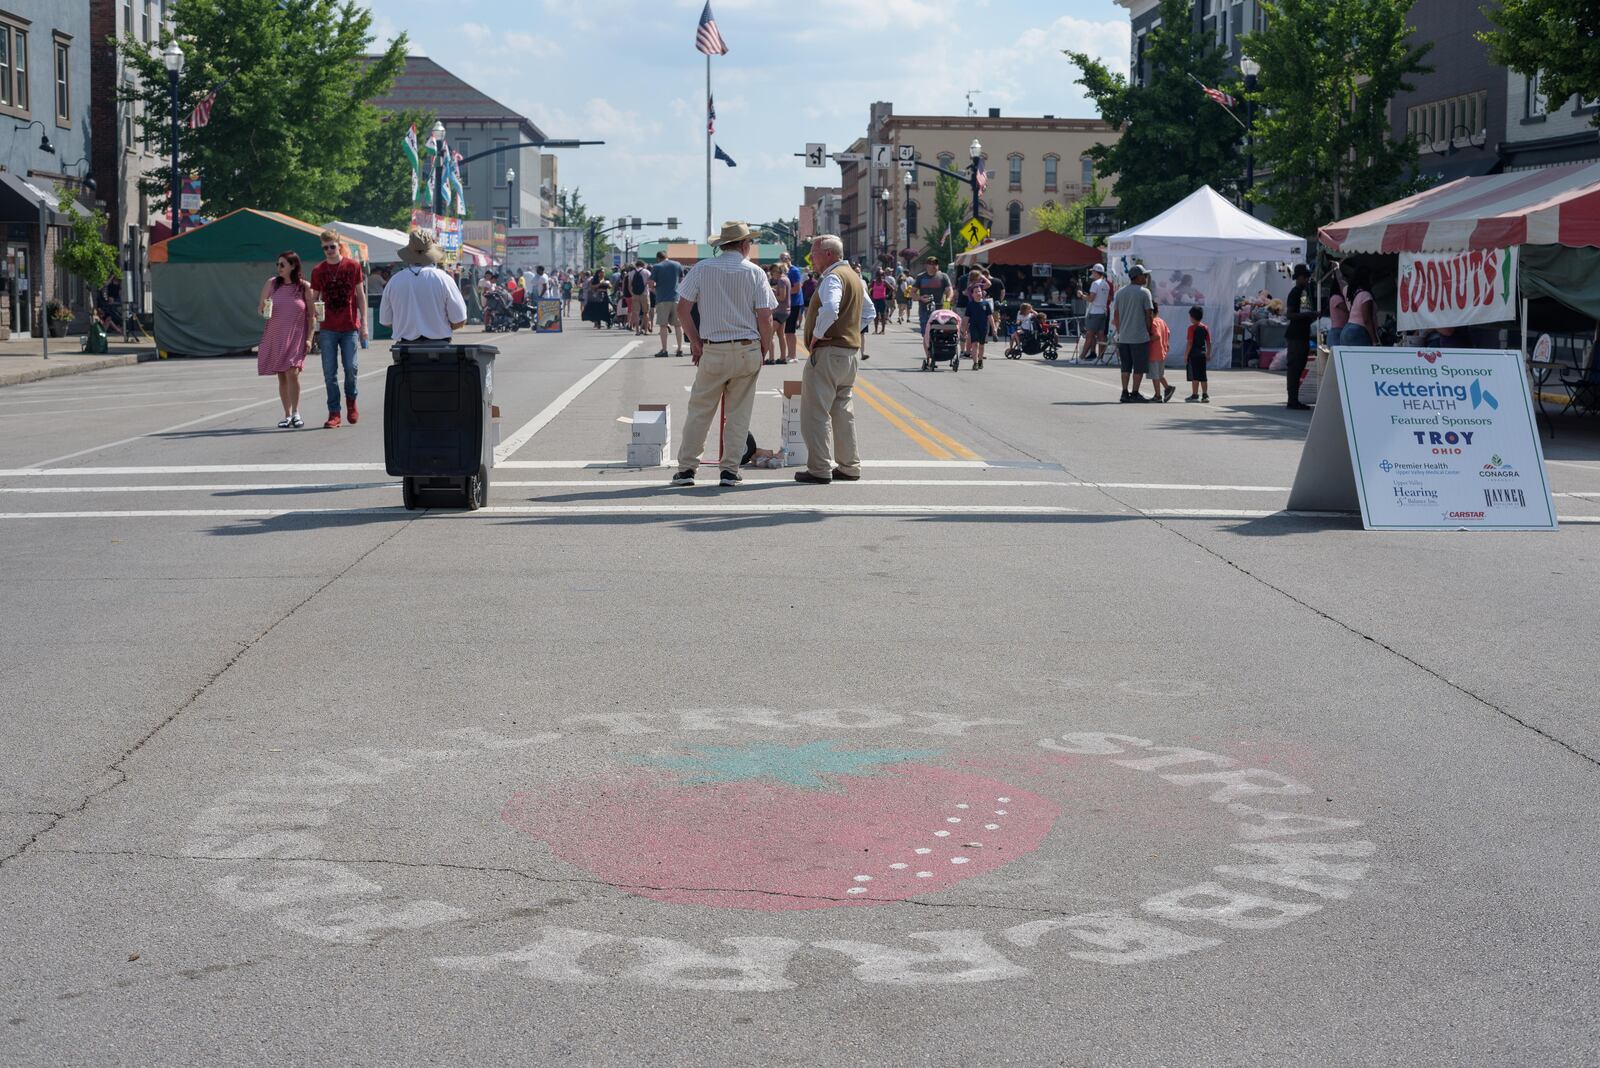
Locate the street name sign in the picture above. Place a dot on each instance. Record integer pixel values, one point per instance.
(816, 154)
(849, 157)
(1426, 439)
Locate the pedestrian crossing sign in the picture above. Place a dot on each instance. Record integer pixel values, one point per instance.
(973, 233)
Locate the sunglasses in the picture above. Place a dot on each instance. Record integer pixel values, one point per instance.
(329, 248)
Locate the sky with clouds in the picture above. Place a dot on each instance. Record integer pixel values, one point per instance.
(626, 72)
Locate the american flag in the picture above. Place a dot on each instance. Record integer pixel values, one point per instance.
(711, 117)
(1218, 96)
(706, 37)
(983, 178)
(202, 111)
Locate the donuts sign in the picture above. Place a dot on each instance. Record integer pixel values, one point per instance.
(1457, 288)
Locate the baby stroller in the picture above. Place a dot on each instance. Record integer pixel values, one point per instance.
(1041, 339)
(499, 314)
(942, 342)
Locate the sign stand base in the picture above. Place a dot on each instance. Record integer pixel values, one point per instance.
(1326, 478)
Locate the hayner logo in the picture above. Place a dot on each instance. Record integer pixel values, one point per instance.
(1480, 395)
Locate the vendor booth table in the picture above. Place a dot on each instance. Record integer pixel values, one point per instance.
(1205, 251)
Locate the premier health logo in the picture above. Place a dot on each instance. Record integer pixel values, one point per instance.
(1385, 466)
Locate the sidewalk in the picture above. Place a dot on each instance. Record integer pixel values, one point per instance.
(21, 359)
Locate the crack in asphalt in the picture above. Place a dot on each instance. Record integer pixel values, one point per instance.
(115, 768)
(521, 873)
(1348, 628)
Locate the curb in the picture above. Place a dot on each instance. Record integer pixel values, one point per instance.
(17, 378)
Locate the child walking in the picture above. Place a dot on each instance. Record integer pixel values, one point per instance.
(1160, 345)
(1195, 359)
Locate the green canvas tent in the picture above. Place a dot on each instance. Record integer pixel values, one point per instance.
(205, 281)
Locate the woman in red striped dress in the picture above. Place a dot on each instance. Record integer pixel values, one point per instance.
(291, 322)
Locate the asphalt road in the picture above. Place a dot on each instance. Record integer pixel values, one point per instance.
(1053, 741)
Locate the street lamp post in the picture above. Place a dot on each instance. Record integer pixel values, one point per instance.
(511, 197)
(884, 195)
(1250, 69)
(172, 59)
(437, 134)
(909, 180)
(976, 151)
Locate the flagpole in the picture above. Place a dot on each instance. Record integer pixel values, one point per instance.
(708, 143)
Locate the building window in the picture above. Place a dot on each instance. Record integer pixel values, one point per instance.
(144, 22)
(13, 68)
(1051, 163)
(1087, 166)
(1013, 219)
(127, 16)
(63, 84)
(498, 162)
(1534, 104)
(1462, 120)
(1014, 170)
(465, 148)
(1138, 60)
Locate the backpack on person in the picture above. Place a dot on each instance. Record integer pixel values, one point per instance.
(636, 284)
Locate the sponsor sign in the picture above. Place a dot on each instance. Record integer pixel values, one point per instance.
(445, 229)
(1426, 439)
(189, 195)
(1457, 288)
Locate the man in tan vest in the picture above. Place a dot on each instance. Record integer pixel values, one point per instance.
(833, 337)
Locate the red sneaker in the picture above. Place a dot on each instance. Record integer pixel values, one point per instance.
(350, 409)
(333, 421)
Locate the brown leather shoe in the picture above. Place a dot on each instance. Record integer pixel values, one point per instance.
(842, 477)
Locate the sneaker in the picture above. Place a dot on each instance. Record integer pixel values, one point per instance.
(296, 421)
(679, 352)
(333, 421)
(1193, 398)
(1124, 399)
(286, 423)
(1205, 398)
(662, 353)
(1298, 407)
(1138, 398)
(840, 476)
(732, 478)
(811, 480)
(1169, 391)
(350, 411)
(684, 477)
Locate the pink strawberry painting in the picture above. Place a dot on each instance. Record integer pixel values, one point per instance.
(775, 827)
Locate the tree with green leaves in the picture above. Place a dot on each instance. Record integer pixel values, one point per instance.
(1558, 40)
(1068, 221)
(382, 195)
(292, 119)
(1329, 69)
(85, 252)
(949, 215)
(571, 211)
(1173, 139)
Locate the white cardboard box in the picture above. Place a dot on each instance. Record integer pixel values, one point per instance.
(652, 425)
(795, 455)
(647, 455)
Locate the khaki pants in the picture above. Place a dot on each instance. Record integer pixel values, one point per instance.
(827, 382)
(726, 372)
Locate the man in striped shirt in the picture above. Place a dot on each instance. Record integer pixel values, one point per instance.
(732, 338)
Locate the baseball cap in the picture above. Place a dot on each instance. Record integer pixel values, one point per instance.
(1137, 271)
(1098, 268)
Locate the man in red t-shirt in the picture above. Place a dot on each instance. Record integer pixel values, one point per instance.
(339, 286)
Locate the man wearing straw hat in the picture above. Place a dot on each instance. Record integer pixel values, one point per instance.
(421, 302)
(733, 336)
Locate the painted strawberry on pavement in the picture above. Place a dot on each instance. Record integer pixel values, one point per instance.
(775, 827)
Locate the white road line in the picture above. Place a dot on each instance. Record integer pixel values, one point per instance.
(193, 469)
(526, 431)
(106, 408)
(702, 510)
(218, 487)
(179, 426)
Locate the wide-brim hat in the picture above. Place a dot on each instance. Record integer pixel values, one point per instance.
(421, 250)
(732, 234)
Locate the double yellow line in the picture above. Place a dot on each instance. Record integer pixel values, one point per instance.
(934, 442)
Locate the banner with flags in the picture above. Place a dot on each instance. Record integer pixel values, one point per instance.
(707, 39)
(724, 157)
(410, 145)
(456, 189)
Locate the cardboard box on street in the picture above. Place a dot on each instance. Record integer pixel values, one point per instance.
(647, 455)
(652, 425)
(791, 388)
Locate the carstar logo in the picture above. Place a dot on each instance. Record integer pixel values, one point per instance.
(1464, 515)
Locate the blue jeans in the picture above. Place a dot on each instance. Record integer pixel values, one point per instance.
(334, 346)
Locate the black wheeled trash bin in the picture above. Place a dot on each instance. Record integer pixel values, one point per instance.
(437, 430)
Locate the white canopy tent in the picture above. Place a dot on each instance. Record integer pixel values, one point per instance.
(383, 244)
(1205, 251)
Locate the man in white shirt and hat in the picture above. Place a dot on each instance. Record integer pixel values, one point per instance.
(1098, 316)
(421, 302)
(733, 336)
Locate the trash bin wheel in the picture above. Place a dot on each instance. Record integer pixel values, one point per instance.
(477, 490)
(408, 493)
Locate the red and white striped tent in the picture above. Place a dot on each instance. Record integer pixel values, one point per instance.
(1553, 206)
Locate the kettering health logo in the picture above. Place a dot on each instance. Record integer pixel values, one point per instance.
(1480, 395)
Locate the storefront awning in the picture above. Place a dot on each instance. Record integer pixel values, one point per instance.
(1041, 246)
(20, 200)
(1553, 206)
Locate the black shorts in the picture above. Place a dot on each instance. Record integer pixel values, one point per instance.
(792, 323)
(1134, 356)
(1194, 368)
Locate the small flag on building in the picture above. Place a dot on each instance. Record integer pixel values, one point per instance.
(202, 111)
(983, 178)
(724, 157)
(706, 37)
